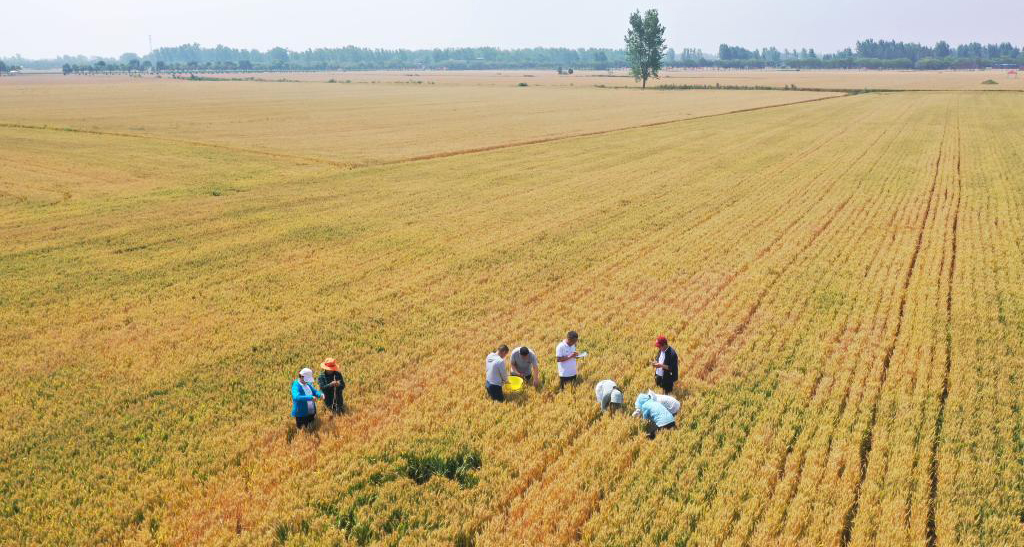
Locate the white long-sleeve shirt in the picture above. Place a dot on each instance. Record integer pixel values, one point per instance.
(603, 390)
(667, 401)
(496, 373)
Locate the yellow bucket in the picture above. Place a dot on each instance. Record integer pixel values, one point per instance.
(515, 383)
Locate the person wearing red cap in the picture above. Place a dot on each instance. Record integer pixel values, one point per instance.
(666, 365)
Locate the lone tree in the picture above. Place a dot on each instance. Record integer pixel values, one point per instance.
(645, 45)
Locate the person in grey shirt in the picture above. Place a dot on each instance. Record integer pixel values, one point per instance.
(524, 364)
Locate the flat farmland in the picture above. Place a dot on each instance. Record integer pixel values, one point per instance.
(354, 124)
(812, 79)
(842, 280)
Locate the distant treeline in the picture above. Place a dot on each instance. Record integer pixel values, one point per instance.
(879, 54)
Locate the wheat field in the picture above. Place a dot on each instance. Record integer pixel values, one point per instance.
(841, 79)
(841, 279)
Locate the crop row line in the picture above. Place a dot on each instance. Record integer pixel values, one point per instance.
(936, 440)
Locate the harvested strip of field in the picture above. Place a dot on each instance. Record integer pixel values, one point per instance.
(356, 125)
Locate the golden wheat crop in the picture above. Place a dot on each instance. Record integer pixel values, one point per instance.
(354, 124)
(841, 279)
(928, 80)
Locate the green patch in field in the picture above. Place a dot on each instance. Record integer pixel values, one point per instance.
(458, 467)
(332, 232)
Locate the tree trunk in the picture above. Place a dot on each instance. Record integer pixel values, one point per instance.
(643, 84)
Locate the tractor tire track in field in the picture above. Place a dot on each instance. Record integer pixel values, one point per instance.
(710, 296)
(436, 155)
(585, 429)
(800, 430)
(766, 250)
(712, 363)
(866, 442)
(933, 473)
(836, 344)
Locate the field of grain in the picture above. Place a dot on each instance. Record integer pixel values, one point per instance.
(941, 80)
(355, 124)
(842, 280)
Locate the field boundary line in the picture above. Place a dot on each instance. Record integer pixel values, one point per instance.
(596, 133)
(423, 157)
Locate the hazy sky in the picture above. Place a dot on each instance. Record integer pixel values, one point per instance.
(45, 28)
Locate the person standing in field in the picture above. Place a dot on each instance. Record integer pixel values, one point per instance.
(609, 396)
(524, 364)
(497, 376)
(332, 385)
(666, 365)
(565, 354)
(304, 396)
(658, 417)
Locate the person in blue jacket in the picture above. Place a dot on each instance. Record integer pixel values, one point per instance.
(304, 396)
(658, 417)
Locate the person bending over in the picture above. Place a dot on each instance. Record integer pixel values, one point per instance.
(658, 417)
(523, 363)
(609, 396)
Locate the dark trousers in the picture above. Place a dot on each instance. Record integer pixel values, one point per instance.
(664, 383)
(562, 380)
(653, 429)
(304, 421)
(335, 404)
(495, 392)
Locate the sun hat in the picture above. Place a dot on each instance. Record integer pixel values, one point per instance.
(661, 341)
(616, 396)
(307, 375)
(329, 364)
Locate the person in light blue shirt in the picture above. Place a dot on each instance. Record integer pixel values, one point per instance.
(658, 417)
(304, 396)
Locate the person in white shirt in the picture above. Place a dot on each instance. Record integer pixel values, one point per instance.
(497, 376)
(609, 396)
(565, 354)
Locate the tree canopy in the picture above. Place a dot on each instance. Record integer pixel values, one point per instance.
(645, 45)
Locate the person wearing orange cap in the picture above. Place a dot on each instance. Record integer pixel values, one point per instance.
(332, 385)
(666, 365)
